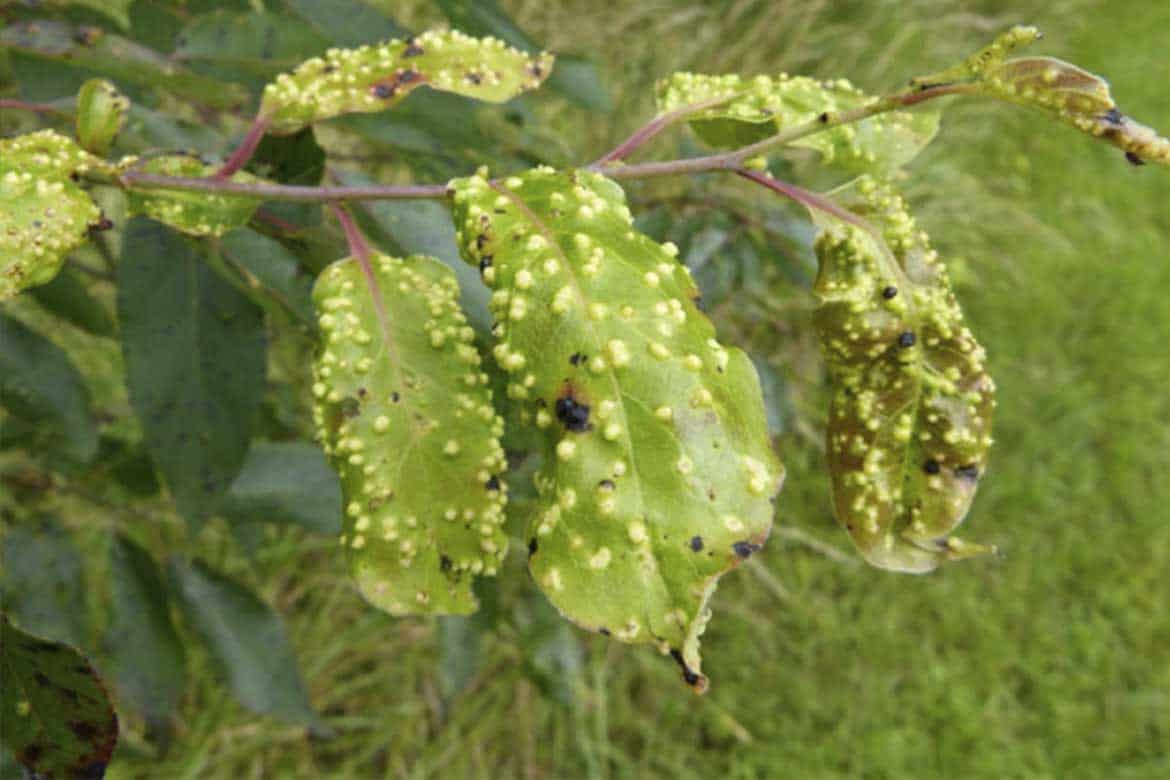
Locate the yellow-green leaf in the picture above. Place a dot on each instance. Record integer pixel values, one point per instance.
(101, 112)
(193, 213)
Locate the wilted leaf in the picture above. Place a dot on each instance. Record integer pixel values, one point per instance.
(194, 213)
(406, 415)
(147, 660)
(68, 297)
(658, 472)
(287, 482)
(194, 349)
(43, 581)
(43, 213)
(762, 106)
(910, 422)
(39, 383)
(57, 717)
(373, 78)
(248, 641)
(101, 112)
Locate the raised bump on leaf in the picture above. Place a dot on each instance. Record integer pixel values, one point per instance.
(406, 417)
(654, 433)
(193, 213)
(910, 421)
(101, 112)
(43, 213)
(373, 78)
(762, 106)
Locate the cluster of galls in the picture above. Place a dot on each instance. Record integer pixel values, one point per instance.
(193, 213)
(406, 416)
(655, 433)
(372, 78)
(909, 427)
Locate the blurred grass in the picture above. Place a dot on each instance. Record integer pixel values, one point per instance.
(1053, 661)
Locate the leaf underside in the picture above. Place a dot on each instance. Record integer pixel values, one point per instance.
(405, 414)
(657, 472)
(910, 421)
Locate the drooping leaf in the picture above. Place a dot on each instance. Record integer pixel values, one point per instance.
(346, 22)
(1070, 94)
(148, 663)
(910, 421)
(287, 482)
(373, 78)
(658, 472)
(39, 383)
(128, 63)
(406, 416)
(194, 213)
(68, 297)
(194, 349)
(247, 639)
(58, 720)
(762, 106)
(101, 112)
(43, 213)
(267, 264)
(43, 582)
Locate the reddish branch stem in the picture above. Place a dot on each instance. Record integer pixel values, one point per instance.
(805, 197)
(246, 149)
(359, 249)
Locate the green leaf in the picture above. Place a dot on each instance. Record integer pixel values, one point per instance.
(57, 717)
(265, 263)
(121, 60)
(194, 350)
(658, 472)
(39, 382)
(147, 661)
(406, 416)
(43, 214)
(68, 297)
(553, 656)
(762, 106)
(247, 640)
(193, 213)
(910, 422)
(43, 581)
(118, 10)
(373, 78)
(247, 44)
(101, 112)
(286, 482)
(346, 22)
(575, 78)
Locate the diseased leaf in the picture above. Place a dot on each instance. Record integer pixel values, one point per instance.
(39, 383)
(658, 472)
(101, 112)
(43, 214)
(910, 422)
(406, 416)
(759, 107)
(194, 349)
(373, 78)
(346, 22)
(194, 213)
(147, 660)
(286, 482)
(68, 297)
(43, 581)
(247, 639)
(57, 717)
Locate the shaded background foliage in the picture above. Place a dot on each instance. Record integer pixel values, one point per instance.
(1051, 661)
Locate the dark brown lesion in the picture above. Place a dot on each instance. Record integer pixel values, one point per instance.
(389, 87)
(572, 412)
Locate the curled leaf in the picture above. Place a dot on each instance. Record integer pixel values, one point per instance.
(44, 214)
(406, 416)
(910, 421)
(101, 112)
(658, 472)
(373, 78)
(759, 107)
(193, 213)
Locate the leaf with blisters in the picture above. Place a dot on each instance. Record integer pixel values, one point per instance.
(43, 214)
(1069, 93)
(910, 420)
(57, 717)
(759, 107)
(658, 472)
(405, 413)
(373, 78)
(193, 213)
(101, 112)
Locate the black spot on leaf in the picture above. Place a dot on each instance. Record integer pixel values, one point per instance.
(931, 466)
(745, 549)
(696, 543)
(574, 416)
(907, 340)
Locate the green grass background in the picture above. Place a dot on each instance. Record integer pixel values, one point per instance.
(1052, 661)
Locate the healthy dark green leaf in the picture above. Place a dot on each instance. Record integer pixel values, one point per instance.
(553, 655)
(194, 350)
(43, 581)
(39, 382)
(68, 297)
(57, 717)
(346, 22)
(236, 46)
(248, 641)
(148, 663)
(286, 482)
(265, 263)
